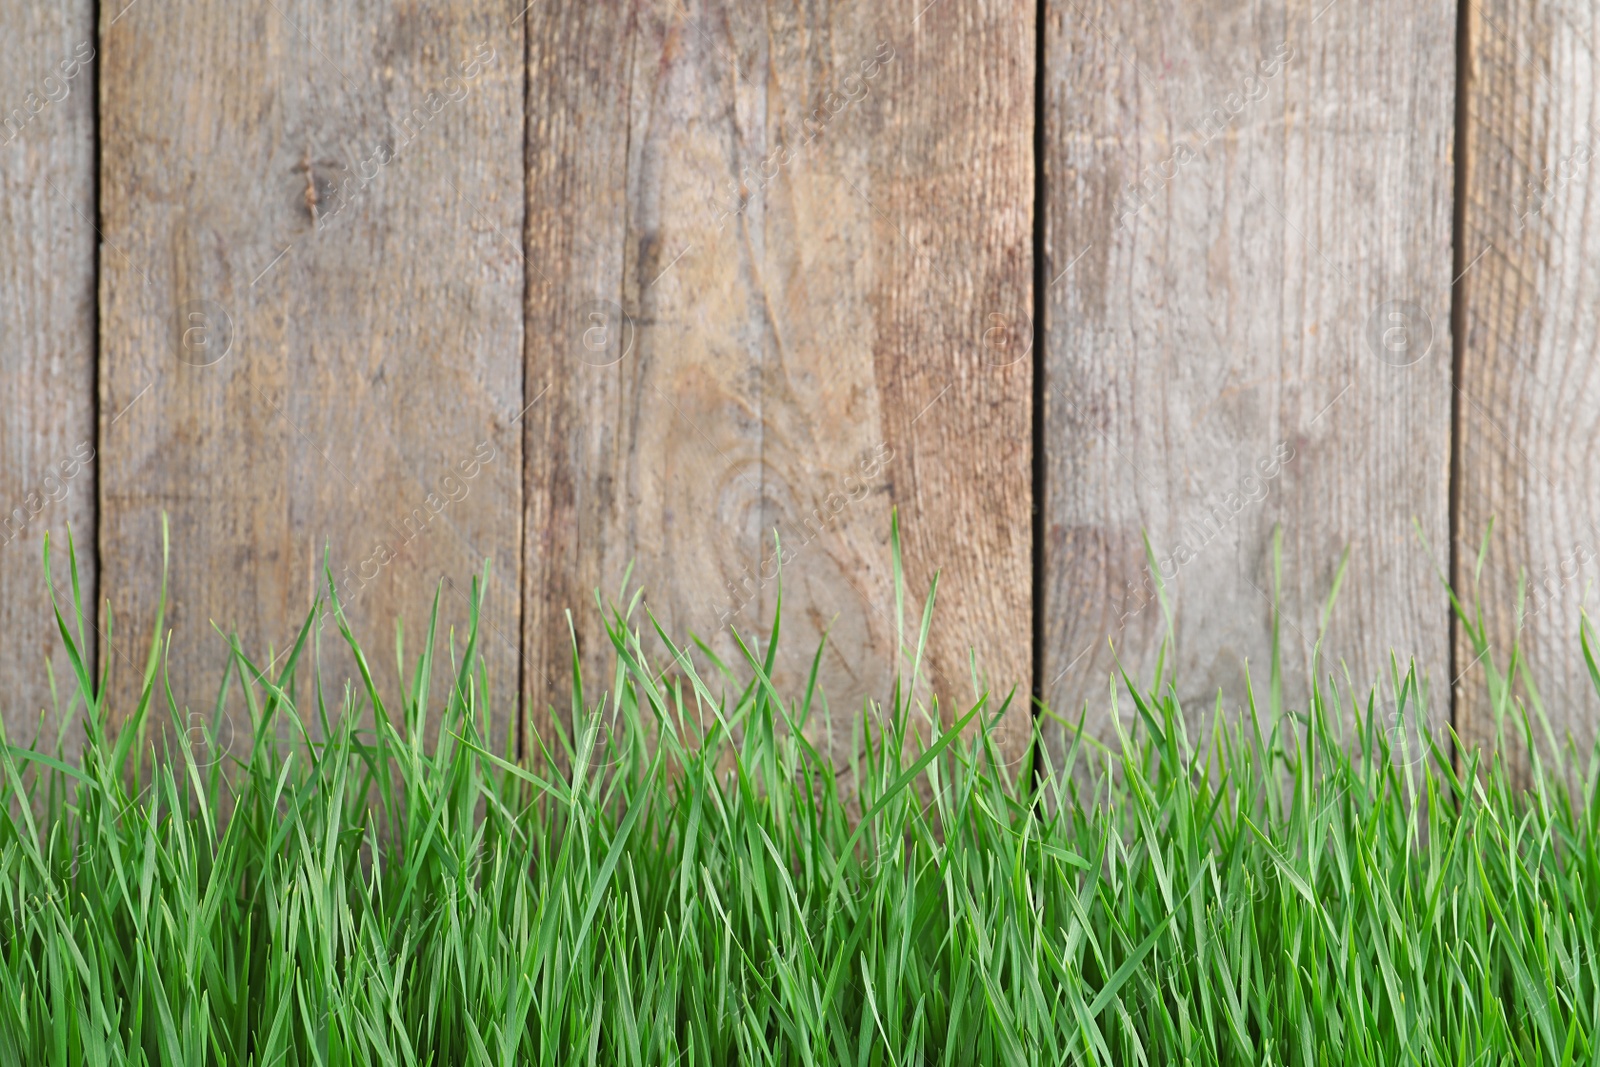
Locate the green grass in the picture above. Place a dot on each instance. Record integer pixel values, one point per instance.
(699, 887)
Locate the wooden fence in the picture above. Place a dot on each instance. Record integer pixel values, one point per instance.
(577, 284)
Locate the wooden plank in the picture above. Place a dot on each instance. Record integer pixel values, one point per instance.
(1528, 410)
(47, 265)
(312, 336)
(771, 241)
(1238, 201)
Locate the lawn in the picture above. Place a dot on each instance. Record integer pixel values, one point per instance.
(684, 880)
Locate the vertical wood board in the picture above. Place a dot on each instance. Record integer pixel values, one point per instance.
(312, 327)
(1248, 239)
(785, 280)
(1529, 390)
(47, 323)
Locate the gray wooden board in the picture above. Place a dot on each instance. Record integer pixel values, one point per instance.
(312, 334)
(47, 321)
(1240, 203)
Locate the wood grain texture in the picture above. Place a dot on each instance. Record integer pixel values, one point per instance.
(771, 239)
(311, 299)
(1529, 400)
(47, 264)
(1235, 191)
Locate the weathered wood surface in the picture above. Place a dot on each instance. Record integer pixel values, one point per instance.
(778, 275)
(1529, 400)
(770, 243)
(311, 324)
(47, 265)
(1234, 197)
